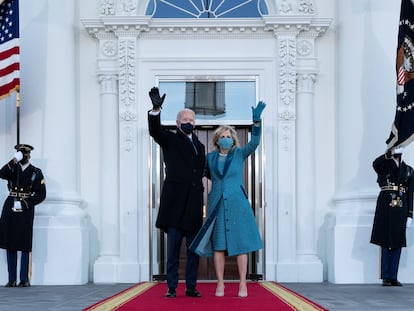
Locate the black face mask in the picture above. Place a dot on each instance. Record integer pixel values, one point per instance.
(187, 128)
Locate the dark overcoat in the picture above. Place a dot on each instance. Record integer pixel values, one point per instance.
(389, 227)
(181, 202)
(16, 228)
(242, 234)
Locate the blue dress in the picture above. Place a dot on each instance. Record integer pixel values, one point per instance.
(219, 230)
(230, 225)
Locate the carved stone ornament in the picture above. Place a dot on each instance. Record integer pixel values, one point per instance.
(306, 82)
(107, 7)
(286, 135)
(118, 7)
(306, 7)
(287, 116)
(128, 138)
(304, 48)
(126, 8)
(287, 73)
(285, 7)
(127, 116)
(108, 83)
(109, 48)
(127, 67)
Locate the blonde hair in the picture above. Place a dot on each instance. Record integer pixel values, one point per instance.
(217, 133)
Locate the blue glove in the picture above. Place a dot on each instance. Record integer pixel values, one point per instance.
(257, 112)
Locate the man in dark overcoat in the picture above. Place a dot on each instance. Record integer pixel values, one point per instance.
(27, 188)
(181, 204)
(393, 213)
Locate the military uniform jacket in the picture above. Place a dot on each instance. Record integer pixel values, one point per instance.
(181, 202)
(16, 228)
(389, 227)
(242, 234)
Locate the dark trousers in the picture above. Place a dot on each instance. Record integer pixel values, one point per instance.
(390, 260)
(174, 239)
(12, 266)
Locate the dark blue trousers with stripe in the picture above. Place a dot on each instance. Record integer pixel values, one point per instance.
(390, 260)
(12, 266)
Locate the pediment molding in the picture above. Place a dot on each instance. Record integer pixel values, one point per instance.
(136, 26)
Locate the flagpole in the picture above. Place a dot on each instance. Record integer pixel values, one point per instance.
(18, 116)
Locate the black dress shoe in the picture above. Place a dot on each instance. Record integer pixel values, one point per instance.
(386, 282)
(192, 292)
(24, 284)
(11, 284)
(171, 293)
(395, 283)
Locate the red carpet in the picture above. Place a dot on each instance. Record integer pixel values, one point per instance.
(263, 296)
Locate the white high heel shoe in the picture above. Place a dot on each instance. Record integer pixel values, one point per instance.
(219, 292)
(242, 293)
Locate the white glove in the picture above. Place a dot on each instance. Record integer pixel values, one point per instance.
(17, 207)
(409, 220)
(18, 156)
(398, 150)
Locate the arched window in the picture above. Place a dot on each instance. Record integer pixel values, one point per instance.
(206, 8)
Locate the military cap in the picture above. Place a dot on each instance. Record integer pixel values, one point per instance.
(23, 148)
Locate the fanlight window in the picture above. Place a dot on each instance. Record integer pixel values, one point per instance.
(206, 8)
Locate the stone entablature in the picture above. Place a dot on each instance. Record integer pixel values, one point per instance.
(105, 27)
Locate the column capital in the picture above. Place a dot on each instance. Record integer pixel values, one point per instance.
(306, 82)
(108, 83)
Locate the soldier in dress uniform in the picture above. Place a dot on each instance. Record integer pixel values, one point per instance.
(394, 211)
(27, 188)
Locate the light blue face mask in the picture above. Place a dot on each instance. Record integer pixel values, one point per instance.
(225, 142)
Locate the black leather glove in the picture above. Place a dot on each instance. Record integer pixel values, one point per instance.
(156, 100)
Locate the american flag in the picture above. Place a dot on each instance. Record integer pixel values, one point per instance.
(401, 76)
(9, 47)
(402, 129)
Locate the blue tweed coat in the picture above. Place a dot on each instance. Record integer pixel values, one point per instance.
(242, 234)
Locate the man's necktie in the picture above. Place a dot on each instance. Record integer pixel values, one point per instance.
(195, 149)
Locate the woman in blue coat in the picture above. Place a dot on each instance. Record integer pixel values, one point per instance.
(230, 228)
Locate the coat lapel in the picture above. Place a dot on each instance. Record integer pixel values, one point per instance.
(196, 143)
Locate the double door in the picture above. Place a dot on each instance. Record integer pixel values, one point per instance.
(252, 182)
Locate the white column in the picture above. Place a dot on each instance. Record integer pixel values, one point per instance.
(122, 218)
(60, 229)
(105, 267)
(297, 259)
(311, 269)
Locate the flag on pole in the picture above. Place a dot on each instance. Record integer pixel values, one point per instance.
(402, 130)
(9, 47)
